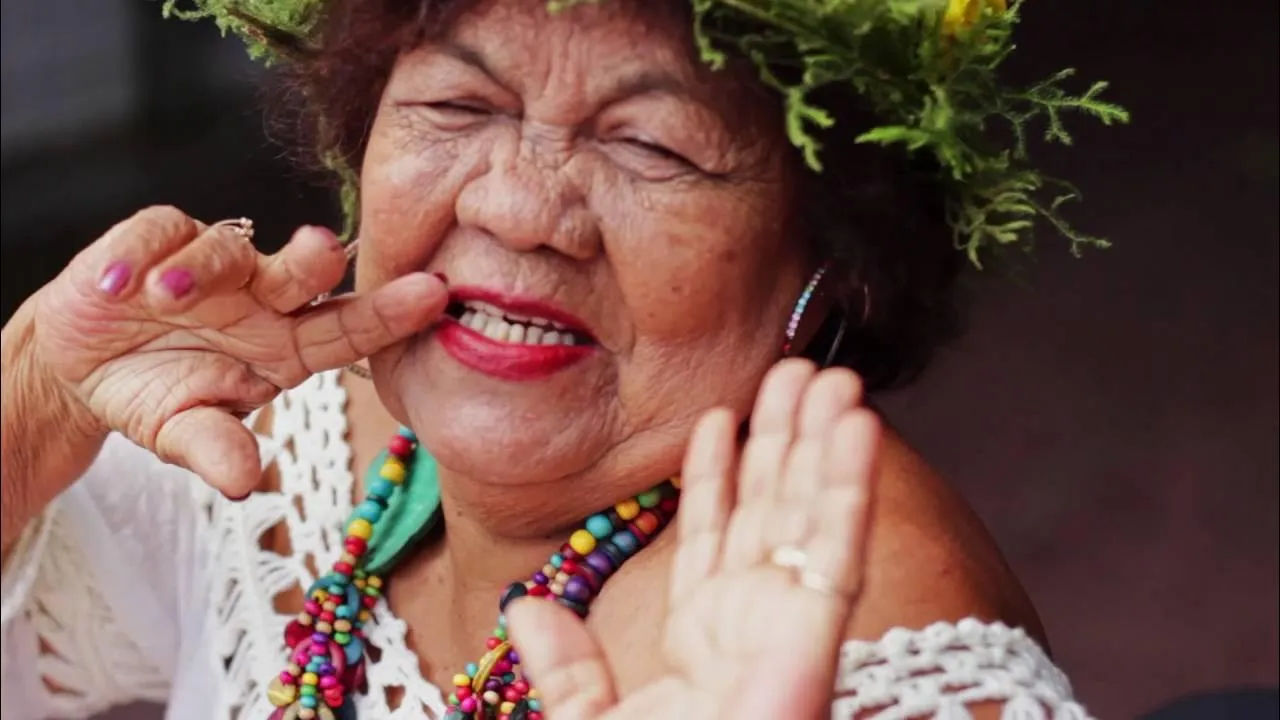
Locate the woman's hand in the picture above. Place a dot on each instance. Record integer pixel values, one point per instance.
(766, 572)
(168, 331)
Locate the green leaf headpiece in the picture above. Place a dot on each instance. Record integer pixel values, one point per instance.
(927, 69)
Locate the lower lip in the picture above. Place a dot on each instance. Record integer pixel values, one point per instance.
(506, 361)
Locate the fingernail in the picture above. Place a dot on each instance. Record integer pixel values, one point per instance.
(236, 499)
(441, 277)
(178, 282)
(329, 236)
(114, 278)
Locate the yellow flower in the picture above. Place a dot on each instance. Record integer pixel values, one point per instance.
(962, 14)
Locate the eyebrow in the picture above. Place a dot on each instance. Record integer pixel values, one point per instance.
(645, 82)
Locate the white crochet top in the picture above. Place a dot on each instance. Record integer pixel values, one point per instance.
(141, 583)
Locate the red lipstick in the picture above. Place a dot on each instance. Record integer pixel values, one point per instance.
(503, 358)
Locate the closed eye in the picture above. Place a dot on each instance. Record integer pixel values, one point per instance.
(660, 152)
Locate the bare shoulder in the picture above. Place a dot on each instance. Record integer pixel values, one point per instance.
(930, 558)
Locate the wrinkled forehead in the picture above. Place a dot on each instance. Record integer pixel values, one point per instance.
(598, 50)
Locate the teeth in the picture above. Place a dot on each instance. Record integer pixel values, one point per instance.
(519, 330)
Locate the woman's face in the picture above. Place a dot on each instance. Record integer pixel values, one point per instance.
(580, 168)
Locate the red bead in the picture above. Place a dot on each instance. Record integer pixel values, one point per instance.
(343, 568)
(669, 505)
(369, 601)
(646, 521)
(568, 553)
(327, 616)
(534, 715)
(539, 591)
(569, 566)
(463, 692)
(521, 686)
(511, 694)
(400, 446)
(333, 698)
(492, 643)
(295, 633)
(356, 546)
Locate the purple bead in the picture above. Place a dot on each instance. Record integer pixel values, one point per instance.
(514, 657)
(492, 684)
(600, 563)
(577, 589)
(326, 669)
(540, 578)
(320, 639)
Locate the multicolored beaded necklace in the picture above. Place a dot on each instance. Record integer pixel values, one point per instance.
(402, 503)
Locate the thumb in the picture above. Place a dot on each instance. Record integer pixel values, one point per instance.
(216, 446)
(561, 659)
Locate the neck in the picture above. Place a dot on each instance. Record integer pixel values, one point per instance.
(488, 545)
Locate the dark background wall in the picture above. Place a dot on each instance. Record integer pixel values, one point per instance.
(1113, 419)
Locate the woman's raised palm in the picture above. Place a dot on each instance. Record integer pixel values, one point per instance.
(766, 571)
(168, 331)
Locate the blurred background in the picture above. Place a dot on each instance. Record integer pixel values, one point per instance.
(1113, 419)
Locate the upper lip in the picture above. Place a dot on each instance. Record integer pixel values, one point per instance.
(520, 305)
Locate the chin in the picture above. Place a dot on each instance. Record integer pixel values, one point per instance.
(499, 431)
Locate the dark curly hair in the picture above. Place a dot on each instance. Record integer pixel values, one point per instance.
(873, 213)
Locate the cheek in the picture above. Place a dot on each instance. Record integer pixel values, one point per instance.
(407, 200)
(707, 268)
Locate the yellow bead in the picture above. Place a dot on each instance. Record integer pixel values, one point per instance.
(533, 694)
(309, 679)
(582, 542)
(374, 581)
(360, 528)
(627, 509)
(461, 680)
(392, 470)
(675, 482)
(280, 694)
(507, 708)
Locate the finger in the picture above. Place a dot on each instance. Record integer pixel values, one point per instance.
(219, 260)
(835, 552)
(706, 496)
(216, 446)
(114, 267)
(829, 395)
(313, 262)
(350, 328)
(772, 427)
(562, 659)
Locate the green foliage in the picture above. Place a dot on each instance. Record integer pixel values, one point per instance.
(928, 69)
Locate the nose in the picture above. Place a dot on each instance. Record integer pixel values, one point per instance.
(525, 200)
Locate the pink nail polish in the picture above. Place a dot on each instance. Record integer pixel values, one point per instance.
(115, 278)
(239, 498)
(178, 282)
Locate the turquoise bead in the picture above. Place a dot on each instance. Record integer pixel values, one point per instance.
(370, 511)
(308, 701)
(599, 526)
(343, 612)
(472, 669)
(535, 705)
(381, 487)
(556, 560)
(405, 432)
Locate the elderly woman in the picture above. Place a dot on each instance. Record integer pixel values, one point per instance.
(596, 277)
